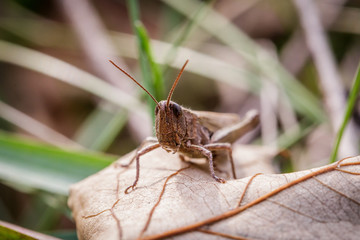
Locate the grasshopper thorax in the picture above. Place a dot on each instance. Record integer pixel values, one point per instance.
(170, 125)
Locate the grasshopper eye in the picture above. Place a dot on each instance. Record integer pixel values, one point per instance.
(156, 110)
(176, 109)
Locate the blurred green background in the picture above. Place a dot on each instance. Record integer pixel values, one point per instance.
(66, 112)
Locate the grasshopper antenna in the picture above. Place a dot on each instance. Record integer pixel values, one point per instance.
(157, 103)
(174, 84)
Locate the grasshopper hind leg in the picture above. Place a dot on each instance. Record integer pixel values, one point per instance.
(224, 147)
(219, 170)
(203, 150)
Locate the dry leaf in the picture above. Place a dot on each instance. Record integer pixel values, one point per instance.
(186, 203)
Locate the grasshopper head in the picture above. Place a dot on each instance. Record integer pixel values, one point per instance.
(170, 125)
(170, 120)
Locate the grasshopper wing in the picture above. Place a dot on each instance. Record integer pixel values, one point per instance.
(215, 121)
(228, 127)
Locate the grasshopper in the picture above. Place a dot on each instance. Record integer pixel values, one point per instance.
(195, 134)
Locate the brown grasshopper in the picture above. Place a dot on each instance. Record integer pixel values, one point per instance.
(196, 134)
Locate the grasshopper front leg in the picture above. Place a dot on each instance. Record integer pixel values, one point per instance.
(146, 141)
(137, 158)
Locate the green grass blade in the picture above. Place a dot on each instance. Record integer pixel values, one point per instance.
(157, 80)
(10, 231)
(65, 234)
(12, 234)
(348, 114)
(184, 34)
(45, 211)
(67, 73)
(24, 163)
(151, 75)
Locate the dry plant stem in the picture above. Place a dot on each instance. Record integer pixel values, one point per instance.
(295, 53)
(269, 98)
(36, 128)
(159, 199)
(329, 77)
(246, 187)
(221, 234)
(93, 38)
(98, 48)
(236, 211)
